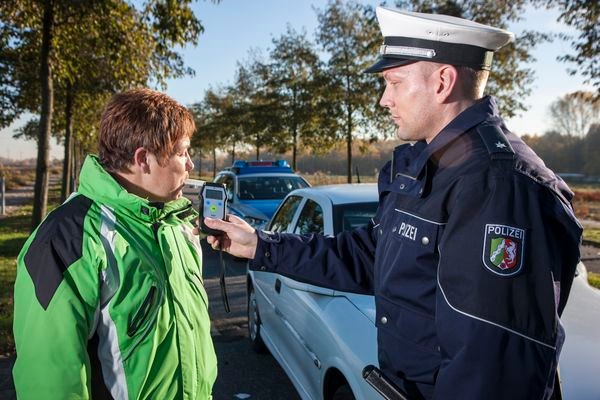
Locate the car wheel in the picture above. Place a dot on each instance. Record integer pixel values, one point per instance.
(343, 393)
(254, 323)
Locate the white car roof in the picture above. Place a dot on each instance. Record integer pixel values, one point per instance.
(342, 194)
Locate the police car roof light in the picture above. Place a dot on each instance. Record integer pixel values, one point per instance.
(251, 167)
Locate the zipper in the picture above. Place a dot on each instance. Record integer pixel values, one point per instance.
(142, 313)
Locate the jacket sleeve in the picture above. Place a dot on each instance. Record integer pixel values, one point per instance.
(344, 262)
(56, 294)
(508, 248)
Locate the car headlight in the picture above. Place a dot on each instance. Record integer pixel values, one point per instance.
(257, 223)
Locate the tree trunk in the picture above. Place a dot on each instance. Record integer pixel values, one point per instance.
(232, 153)
(349, 143)
(257, 147)
(77, 161)
(199, 164)
(40, 196)
(214, 154)
(66, 187)
(294, 147)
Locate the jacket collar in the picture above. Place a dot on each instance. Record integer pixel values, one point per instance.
(97, 184)
(415, 160)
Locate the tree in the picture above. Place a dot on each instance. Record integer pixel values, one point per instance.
(592, 144)
(510, 80)
(210, 127)
(164, 25)
(583, 15)
(574, 113)
(348, 33)
(8, 88)
(292, 81)
(560, 152)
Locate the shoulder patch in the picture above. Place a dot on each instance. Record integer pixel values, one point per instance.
(503, 247)
(57, 245)
(495, 141)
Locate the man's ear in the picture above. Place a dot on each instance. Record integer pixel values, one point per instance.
(140, 160)
(446, 82)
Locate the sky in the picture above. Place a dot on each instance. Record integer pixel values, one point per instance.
(235, 28)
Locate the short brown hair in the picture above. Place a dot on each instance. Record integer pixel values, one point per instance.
(472, 81)
(141, 118)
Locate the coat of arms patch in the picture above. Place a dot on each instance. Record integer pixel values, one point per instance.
(503, 249)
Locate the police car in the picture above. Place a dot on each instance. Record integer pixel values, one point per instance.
(323, 338)
(256, 188)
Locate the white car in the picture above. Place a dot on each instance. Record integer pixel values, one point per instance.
(324, 338)
(321, 338)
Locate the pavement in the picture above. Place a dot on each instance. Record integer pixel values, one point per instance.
(590, 256)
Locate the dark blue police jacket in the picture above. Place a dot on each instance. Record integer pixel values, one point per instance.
(470, 257)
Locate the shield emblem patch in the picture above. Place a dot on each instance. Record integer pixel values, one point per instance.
(503, 249)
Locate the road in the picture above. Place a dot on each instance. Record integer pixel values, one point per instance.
(242, 372)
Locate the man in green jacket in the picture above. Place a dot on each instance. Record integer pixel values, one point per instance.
(109, 297)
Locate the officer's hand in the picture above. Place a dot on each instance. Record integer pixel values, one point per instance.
(239, 238)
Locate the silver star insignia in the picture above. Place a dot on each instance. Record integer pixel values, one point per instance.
(500, 145)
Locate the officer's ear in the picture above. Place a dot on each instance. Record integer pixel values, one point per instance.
(445, 79)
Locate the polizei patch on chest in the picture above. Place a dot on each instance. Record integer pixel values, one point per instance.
(408, 231)
(503, 248)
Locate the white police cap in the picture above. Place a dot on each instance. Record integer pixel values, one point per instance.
(410, 36)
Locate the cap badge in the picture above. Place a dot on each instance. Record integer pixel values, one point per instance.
(406, 51)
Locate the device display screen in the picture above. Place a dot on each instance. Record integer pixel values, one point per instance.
(214, 194)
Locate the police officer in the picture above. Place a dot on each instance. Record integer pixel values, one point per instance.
(473, 249)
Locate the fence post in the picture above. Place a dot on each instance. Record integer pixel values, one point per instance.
(2, 192)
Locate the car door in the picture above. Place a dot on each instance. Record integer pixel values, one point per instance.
(268, 285)
(301, 306)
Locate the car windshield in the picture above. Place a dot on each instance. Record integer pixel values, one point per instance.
(347, 217)
(268, 187)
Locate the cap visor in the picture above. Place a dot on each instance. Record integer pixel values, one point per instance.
(385, 63)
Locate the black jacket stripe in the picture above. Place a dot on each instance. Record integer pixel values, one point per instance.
(56, 246)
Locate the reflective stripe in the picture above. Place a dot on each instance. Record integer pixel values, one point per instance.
(109, 352)
(421, 218)
(481, 319)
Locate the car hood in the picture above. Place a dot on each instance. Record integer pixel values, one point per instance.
(580, 356)
(364, 303)
(265, 207)
(244, 210)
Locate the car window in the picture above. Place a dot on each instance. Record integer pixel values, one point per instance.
(348, 217)
(226, 180)
(283, 219)
(311, 219)
(268, 187)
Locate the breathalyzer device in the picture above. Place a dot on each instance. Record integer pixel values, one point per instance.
(213, 203)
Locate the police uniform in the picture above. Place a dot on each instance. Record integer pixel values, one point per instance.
(470, 256)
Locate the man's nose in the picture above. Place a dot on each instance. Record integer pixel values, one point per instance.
(189, 163)
(385, 101)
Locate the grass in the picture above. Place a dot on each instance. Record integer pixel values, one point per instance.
(13, 234)
(14, 231)
(592, 236)
(594, 279)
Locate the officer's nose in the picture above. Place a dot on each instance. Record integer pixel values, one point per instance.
(386, 99)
